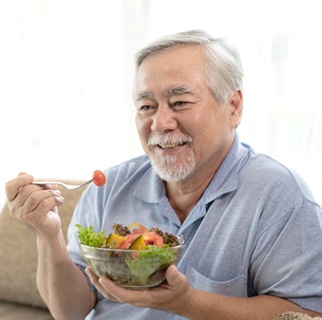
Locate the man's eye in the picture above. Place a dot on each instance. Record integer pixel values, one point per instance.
(144, 107)
(179, 103)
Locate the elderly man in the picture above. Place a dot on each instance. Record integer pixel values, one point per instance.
(253, 230)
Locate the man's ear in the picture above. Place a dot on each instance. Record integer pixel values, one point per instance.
(236, 108)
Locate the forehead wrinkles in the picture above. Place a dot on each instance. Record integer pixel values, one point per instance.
(176, 90)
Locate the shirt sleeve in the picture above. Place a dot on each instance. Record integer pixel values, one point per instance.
(287, 258)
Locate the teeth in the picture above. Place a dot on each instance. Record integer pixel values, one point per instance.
(170, 146)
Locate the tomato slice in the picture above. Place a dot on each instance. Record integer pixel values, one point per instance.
(99, 178)
(129, 238)
(153, 238)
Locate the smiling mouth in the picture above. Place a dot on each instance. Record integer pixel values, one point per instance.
(171, 146)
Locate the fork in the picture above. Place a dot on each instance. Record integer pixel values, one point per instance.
(66, 185)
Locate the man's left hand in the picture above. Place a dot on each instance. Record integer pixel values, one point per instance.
(172, 295)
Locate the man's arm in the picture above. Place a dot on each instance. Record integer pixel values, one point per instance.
(61, 284)
(178, 297)
(205, 305)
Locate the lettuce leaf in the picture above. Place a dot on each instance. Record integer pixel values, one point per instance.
(89, 237)
(149, 261)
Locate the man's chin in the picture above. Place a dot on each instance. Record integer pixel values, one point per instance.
(171, 174)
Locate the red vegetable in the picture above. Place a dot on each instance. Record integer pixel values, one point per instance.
(152, 238)
(99, 178)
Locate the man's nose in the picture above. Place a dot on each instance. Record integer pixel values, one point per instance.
(164, 120)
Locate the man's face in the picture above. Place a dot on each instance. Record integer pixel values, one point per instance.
(182, 128)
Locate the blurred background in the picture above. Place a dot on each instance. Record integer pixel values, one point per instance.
(66, 73)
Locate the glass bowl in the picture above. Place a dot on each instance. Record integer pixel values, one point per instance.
(133, 268)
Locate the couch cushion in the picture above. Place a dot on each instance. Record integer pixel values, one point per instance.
(18, 254)
(14, 311)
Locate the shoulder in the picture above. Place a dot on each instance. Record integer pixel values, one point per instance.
(266, 173)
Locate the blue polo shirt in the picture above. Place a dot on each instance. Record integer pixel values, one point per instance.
(256, 229)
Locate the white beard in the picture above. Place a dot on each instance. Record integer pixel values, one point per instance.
(171, 168)
(170, 172)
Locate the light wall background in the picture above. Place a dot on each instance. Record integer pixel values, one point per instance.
(66, 71)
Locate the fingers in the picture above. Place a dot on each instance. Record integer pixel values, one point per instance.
(176, 279)
(96, 282)
(172, 275)
(149, 297)
(32, 199)
(93, 277)
(161, 297)
(13, 186)
(115, 293)
(25, 198)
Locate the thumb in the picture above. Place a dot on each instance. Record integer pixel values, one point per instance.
(173, 276)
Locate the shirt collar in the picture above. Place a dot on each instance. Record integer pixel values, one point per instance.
(226, 178)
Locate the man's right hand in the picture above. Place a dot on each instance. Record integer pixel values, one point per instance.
(34, 206)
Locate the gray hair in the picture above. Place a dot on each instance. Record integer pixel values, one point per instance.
(223, 72)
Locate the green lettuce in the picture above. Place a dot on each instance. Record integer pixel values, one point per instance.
(149, 261)
(89, 237)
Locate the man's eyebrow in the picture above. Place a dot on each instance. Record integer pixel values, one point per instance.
(143, 95)
(177, 90)
(180, 90)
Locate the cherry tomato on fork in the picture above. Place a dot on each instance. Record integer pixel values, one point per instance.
(99, 178)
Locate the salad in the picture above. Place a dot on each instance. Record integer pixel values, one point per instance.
(132, 256)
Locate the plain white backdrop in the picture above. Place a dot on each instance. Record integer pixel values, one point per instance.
(66, 72)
